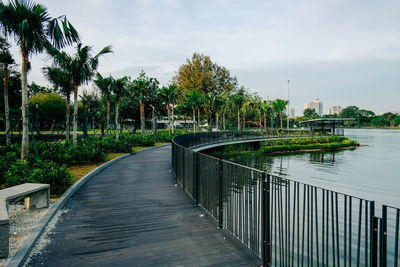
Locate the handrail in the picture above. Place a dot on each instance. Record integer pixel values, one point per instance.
(284, 221)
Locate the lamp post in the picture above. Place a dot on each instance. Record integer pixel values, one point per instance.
(288, 110)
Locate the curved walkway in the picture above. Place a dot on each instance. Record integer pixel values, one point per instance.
(132, 214)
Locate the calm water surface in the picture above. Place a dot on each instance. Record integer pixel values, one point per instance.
(371, 171)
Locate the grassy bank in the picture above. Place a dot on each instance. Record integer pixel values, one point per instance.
(280, 146)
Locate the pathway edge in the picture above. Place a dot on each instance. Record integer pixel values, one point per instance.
(23, 253)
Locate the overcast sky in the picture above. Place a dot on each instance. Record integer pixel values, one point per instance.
(342, 52)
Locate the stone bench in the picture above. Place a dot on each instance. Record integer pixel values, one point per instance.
(34, 195)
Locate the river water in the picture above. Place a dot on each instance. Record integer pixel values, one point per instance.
(371, 171)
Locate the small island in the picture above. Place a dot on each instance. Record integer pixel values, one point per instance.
(284, 146)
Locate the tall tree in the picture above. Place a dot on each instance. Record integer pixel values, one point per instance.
(279, 106)
(33, 29)
(118, 88)
(194, 100)
(266, 107)
(224, 106)
(200, 73)
(210, 100)
(103, 83)
(168, 97)
(6, 60)
(141, 86)
(81, 67)
(238, 101)
(63, 83)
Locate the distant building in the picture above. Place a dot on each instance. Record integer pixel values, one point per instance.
(316, 105)
(334, 110)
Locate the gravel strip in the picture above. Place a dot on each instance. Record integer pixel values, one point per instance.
(22, 224)
(44, 239)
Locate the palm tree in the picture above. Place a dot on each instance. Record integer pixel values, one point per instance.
(81, 67)
(174, 98)
(219, 103)
(210, 105)
(258, 105)
(104, 85)
(224, 106)
(266, 108)
(238, 100)
(33, 29)
(194, 99)
(164, 95)
(6, 60)
(62, 82)
(168, 97)
(247, 104)
(141, 85)
(280, 105)
(118, 88)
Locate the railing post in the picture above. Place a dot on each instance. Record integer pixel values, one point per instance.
(265, 220)
(374, 241)
(196, 178)
(383, 238)
(183, 168)
(220, 195)
(372, 249)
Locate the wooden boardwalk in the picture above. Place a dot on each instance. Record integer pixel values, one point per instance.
(132, 214)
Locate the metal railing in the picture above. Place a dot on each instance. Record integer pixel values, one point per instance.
(285, 222)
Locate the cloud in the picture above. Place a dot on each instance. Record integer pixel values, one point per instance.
(277, 36)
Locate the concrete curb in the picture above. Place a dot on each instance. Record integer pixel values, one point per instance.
(23, 253)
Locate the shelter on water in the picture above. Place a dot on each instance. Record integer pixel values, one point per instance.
(327, 125)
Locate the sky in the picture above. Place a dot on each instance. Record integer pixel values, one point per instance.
(342, 52)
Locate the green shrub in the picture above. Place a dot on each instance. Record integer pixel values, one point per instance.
(5, 163)
(146, 140)
(45, 172)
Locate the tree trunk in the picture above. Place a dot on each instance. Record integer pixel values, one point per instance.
(108, 112)
(173, 119)
(6, 107)
(223, 119)
(75, 117)
(216, 120)
(116, 119)
(169, 120)
(67, 115)
(142, 122)
(280, 115)
(244, 121)
(198, 119)
(210, 124)
(259, 120)
(25, 114)
(194, 120)
(265, 121)
(238, 117)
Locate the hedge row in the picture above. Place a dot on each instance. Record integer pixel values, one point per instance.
(52, 159)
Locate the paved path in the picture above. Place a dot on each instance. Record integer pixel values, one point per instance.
(131, 214)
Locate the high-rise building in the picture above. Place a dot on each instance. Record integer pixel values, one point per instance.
(316, 105)
(334, 110)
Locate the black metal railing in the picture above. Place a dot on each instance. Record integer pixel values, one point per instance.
(285, 222)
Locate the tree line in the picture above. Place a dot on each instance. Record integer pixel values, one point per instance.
(200, 90)
(363, 117)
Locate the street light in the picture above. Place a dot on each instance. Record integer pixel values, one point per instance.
(288, 110)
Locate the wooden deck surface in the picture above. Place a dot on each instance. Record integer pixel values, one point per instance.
(132, 214)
